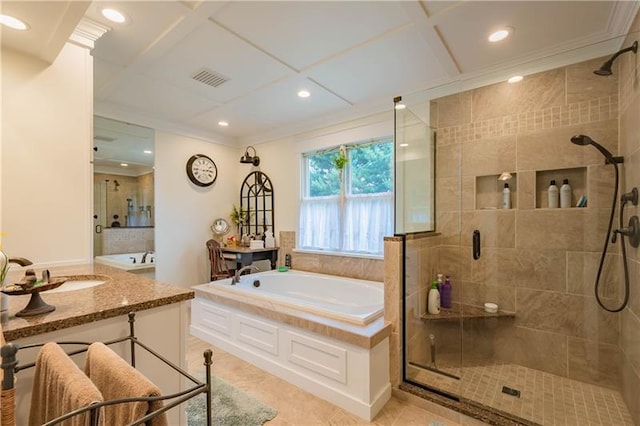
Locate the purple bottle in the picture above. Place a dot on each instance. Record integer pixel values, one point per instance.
(445, 293)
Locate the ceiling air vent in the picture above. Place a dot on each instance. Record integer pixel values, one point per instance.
(208, 77)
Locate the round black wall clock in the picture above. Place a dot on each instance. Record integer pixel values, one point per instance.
(202, 171)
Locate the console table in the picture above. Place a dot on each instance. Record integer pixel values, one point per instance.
(244, 256)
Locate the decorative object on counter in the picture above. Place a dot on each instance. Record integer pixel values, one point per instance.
(269, 241)
(36, 305)
(553, 195)
(239, 217)
(433, 299)
(506, 197)
(232, 241)
(256, 244)
(565, 194)
(220, 228)
(4, 269)
(250, 159)
(201, 170)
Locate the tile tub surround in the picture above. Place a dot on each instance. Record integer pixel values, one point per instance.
(127, 240)
(343, 266)
(340, 362)
(124, 293)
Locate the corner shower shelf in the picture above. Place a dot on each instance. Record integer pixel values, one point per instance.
(467, 312)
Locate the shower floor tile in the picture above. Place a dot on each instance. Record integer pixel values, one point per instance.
(545, 398)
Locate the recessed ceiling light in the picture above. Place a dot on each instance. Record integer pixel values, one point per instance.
(147, 151)
(13, 22)
(501, 34)
(114, 15)
(515, 79)
(404, 145)
(304, 94)
(124, 165)
(223, 123)
(400, 106)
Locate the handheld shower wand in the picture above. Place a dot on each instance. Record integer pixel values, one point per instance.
(584, 140)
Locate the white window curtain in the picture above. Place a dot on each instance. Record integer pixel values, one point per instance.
(319, 227)
(368, 219)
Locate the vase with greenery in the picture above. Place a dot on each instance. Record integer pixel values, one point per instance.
(239, 217)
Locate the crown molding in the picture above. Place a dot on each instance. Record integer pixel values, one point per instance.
(87, 32)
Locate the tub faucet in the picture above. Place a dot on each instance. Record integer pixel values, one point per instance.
(236, 277)
(20, 261)
(144, 256)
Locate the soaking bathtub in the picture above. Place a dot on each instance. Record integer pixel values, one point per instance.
(323, 333)
(126, 261)
(347, 299)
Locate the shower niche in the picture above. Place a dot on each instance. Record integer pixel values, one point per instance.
(489, 191)
(577, 180)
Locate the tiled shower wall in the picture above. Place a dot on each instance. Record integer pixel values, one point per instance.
(138, 188)
(629, 72)
(538, 262)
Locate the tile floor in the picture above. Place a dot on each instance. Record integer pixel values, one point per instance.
(298, 407)
(545, 398)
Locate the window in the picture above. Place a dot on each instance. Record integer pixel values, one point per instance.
(350, 209)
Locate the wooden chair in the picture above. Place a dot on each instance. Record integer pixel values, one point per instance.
(218, 263)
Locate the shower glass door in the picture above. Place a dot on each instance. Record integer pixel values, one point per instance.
(432, 350)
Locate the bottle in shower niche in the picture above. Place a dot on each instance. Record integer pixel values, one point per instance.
(433, 299)
(553, 194)
(506, 197)
(565, 194)
(445, 293)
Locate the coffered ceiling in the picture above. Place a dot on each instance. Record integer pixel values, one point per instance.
(352, 56)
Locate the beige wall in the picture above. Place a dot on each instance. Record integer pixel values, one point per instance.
(47, 120)
(629, 72)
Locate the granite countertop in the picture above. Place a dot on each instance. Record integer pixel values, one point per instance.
(124, 292)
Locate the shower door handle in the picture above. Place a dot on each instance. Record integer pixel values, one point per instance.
(98, 229)
(476, 244)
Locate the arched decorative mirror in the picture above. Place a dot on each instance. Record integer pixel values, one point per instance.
(256, 197)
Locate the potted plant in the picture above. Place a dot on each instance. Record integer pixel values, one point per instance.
(340, 160)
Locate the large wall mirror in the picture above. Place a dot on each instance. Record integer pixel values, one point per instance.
(123, 196)
(256, 198)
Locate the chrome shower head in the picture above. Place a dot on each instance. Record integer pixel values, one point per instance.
(605, 69)
(584, 140)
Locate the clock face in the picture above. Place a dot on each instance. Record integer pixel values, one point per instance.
(201, 170)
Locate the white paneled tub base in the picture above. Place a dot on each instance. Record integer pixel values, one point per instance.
(349, 376)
